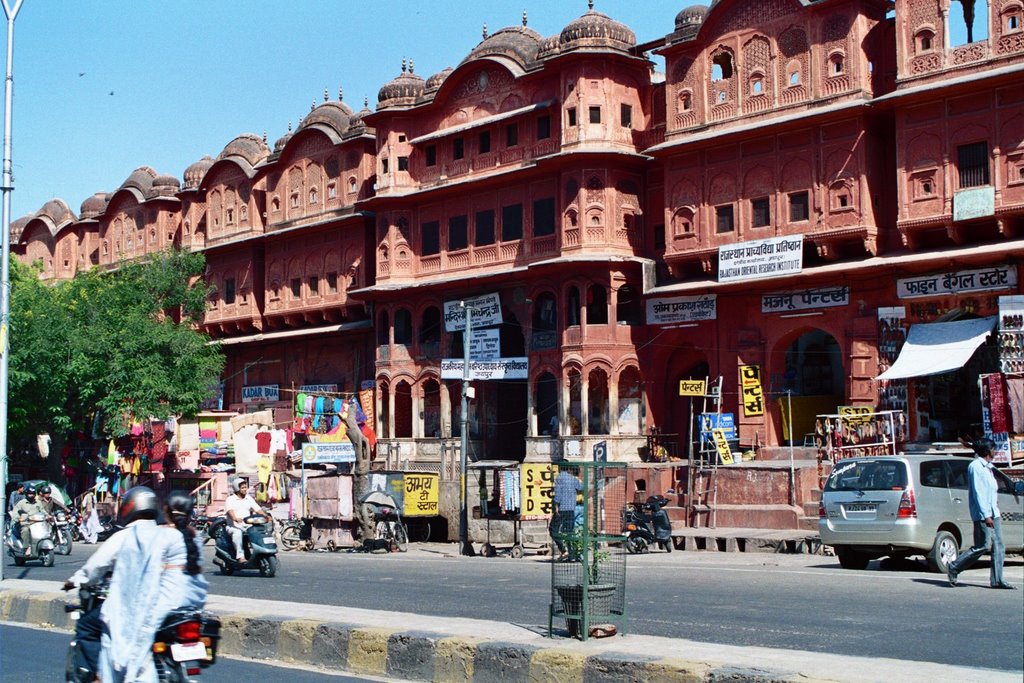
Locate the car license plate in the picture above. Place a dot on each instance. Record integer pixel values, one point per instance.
(861, 507)
(268, 539)
(188, 652)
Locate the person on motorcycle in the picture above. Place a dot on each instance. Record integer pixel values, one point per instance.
(189, 587)
(28, 506)
(237, 507)
(141, 561)
(49, 503)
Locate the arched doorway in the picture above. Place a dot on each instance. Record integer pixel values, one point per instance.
(684, 411)
(403, 410)
(812, 380)
(546, 404)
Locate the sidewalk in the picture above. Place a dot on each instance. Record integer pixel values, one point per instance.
(427, 648)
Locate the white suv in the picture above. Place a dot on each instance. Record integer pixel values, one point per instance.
(905, 505)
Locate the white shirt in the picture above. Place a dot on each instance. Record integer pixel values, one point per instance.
(242, 507)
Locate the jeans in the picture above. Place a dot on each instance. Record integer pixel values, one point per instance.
(88, 631)
(986, 539)
(561, 526)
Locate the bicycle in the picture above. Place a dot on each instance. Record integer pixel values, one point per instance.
(291, 533)
(391, 529)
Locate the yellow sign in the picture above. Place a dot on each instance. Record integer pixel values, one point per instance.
(750, 390)
(537, 484)
(722, 444)
(692, 387)
(421, 495)
(856, 415)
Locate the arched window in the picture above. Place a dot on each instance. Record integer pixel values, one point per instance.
(923, 40)
(597, 401)
(575, 426)
(383, 328)
(630, 415)
(597, 305)
(545, 313)
(430, 326)
(403, 326)
(431, 409)
(403, 409)
(628, 309)
(682, 222)
(572, 307)
(546, 401)
(836, 64)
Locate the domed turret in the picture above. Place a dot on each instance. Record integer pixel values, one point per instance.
(518, 43)
(403, 89)
(195, 173)
(18, 227)
(94, 205)
(248, 146)
(692, 16)
(141, 180)
(435, 81)
(166, 185)
(596, 31)
(57, 211)
(283, 140)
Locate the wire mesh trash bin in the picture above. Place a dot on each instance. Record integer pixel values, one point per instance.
(588, 568)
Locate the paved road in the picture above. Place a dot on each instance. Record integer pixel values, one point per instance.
(16, 640)
(801, 602)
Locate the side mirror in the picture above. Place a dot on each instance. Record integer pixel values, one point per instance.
(1018, 488)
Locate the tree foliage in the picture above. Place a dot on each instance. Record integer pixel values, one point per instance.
(123, 343)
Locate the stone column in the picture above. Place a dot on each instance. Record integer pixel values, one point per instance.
(584, 403)
(613, 405)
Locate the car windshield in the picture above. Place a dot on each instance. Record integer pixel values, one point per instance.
(867, 475)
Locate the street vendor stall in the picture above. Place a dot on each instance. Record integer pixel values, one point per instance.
(499, 484)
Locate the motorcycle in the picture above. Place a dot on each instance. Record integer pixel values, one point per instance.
(209, 527)
(75, 519)
(62, 526)
(643, 522)
(185, 643)
(258, 544)
(41, 541)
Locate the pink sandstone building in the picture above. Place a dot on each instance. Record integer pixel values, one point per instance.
(806, 183)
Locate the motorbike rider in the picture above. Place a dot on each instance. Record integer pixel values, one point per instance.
(237, 507)
(49, 503)
(190, 586)
(144, 568)
(30, 505)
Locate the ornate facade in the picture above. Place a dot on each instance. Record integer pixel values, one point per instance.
(567, 178)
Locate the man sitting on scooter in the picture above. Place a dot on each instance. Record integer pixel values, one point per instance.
(49, 503)
(28, 506)
(237, 507)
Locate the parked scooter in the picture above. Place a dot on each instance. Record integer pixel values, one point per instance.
(258, 544)
(41, 541)
(185, 644)
(63, 525)
(647, 524)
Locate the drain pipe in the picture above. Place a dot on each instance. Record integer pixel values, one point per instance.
(792, 471)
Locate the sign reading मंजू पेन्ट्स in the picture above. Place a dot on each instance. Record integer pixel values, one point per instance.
(805, 299)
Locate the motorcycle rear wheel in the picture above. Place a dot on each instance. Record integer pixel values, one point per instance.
(636, 545)
(268, 566)
(65, 547)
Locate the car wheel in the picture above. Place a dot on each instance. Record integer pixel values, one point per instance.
(851, 559)
(943, 551)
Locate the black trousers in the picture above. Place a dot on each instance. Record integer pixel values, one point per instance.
(88, 630)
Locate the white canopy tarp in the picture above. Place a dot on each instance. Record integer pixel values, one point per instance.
(934, 348)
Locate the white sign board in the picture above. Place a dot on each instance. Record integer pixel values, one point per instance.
(804, 299)
(485, 344)
(261, 393)
(500, 368)
(342, 451)
(486, 312)
(318, 388)
(681, 309)
(944, 284)
(759, 259)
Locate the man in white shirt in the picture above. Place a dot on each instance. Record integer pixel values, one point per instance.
(237, 507)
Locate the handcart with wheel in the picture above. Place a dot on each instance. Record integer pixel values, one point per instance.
(499, 502)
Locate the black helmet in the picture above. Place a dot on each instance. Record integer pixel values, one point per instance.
(181, 503)
(30, 490)
(139, 503)
(44, 489)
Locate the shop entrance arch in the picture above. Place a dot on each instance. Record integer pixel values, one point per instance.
(807, 373)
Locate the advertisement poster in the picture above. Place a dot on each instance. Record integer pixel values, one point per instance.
(537, 482)
(710, 421)
(421, 495)
(328, 452)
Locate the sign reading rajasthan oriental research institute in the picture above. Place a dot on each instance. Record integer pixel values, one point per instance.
(681, 309)
(758, 259)
(943, 284)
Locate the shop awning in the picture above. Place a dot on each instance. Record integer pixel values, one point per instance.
(934, 348)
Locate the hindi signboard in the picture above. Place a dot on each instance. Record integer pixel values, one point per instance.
(682, 309)
(805, 299)
(722, 446)
(945, 284)
(711, 421)
(261, 393)
(499, 368)
(537, 484)
(486, 312)
(692, 387)
(485, 344)
(751, 394)
(421, 495)
(758, 259)
(313, 453)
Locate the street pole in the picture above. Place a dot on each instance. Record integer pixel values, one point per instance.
(5, 255)
(464, 547)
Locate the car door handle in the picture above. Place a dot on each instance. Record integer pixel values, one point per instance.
(958, 500)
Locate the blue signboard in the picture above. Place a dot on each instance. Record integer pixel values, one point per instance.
(709, 421)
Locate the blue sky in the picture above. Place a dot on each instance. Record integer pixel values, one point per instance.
(102, 87)
(187, 76)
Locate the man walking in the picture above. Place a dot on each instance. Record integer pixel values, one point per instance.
(567, 485)
(984, 506)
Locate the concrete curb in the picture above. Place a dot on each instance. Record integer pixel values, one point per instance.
(419, 648)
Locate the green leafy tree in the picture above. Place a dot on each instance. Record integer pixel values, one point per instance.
(122, 343)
